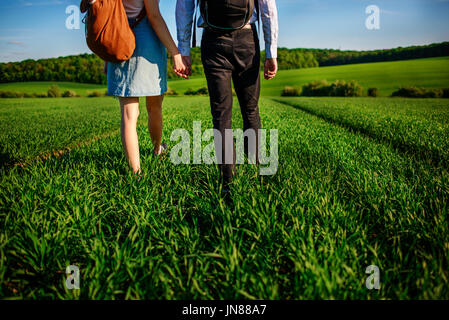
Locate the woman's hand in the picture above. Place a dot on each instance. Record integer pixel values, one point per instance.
(179, 67)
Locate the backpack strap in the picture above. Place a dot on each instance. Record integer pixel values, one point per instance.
(256, 4)
(84, 6)
(142, 15)
(195, 23)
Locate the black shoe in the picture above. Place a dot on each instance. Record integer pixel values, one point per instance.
(226, 194)
(164, 150)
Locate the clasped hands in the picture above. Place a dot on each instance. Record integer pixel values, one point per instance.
(182, 66)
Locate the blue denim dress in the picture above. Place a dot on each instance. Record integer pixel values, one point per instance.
(145, 74)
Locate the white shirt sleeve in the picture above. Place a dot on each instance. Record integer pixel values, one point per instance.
(269, 16)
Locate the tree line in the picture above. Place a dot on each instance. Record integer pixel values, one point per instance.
(88, 68)
(330, 57)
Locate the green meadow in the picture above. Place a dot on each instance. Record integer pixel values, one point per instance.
(386, 76)
(361, 182)
(82, 89)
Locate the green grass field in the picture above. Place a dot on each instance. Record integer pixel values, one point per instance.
(360, 182)
(82, 89)
(386, 76)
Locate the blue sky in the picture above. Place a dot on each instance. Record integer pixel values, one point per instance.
(36, 28)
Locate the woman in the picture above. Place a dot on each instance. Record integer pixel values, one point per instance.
(144, 75)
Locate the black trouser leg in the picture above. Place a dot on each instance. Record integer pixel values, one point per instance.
(246, 77)
(247, 88)
(220, 91)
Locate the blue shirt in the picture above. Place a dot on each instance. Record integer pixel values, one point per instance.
(268, 11)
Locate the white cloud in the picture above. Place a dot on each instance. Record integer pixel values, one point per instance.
(29, 3)
(16, 43)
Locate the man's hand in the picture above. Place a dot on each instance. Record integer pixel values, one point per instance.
(188, 63)
(270, 68)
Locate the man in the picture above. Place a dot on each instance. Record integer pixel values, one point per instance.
(230, 53)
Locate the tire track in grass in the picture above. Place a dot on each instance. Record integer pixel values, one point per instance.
(372, 183)
(37, 129)
(433, 157)
(59, 153)
(10, 163)
(7, 161)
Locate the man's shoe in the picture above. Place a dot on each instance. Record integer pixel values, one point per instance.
(164, 150)
(226, 195)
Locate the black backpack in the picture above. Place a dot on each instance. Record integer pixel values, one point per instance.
(227, 15)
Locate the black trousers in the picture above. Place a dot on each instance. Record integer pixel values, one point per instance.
(232, 56)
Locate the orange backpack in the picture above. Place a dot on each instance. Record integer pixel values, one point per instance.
(108, 33)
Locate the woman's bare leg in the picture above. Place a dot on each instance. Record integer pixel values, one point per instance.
(128, 129)
(154, 108)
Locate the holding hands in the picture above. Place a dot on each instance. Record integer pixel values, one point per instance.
(188, 63)
(180, 67)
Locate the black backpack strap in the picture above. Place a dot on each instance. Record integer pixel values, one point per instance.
(194, 23)
(139, 18)
(256, 5)
(84, 6)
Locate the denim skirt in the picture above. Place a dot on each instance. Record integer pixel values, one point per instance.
(145, 74)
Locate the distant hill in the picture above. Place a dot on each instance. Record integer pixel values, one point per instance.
(386, 76)
(87, 68)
